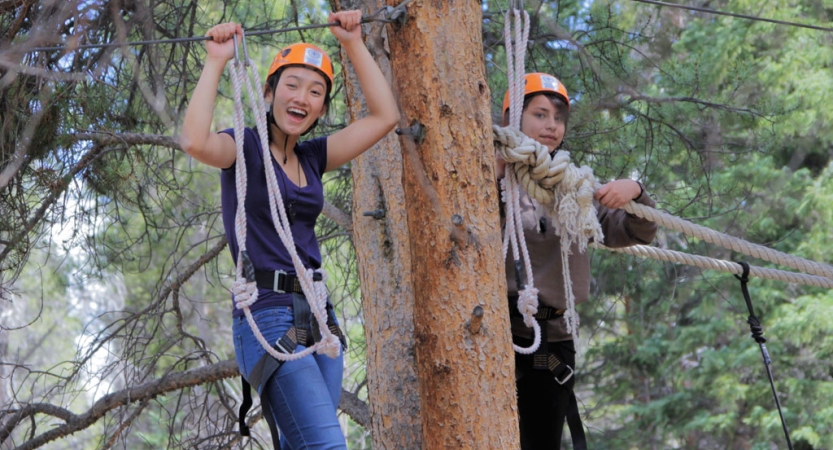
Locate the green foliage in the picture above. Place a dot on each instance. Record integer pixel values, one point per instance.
(721, 118)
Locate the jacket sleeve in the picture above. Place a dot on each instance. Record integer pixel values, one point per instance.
(622, 229)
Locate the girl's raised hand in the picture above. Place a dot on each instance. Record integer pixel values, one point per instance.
(221, 45)
(350, 28)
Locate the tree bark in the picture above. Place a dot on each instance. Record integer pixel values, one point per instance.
(383, 250)
(450, 199)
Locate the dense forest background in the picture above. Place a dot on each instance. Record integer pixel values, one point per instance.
(114, 277)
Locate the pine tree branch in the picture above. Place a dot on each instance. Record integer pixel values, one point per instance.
(350, 404)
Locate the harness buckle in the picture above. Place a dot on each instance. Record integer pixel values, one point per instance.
(276, 283)
(566, 377)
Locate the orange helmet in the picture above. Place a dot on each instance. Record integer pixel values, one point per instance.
(540, 82)
(307, 55)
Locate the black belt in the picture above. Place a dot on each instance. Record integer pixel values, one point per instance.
(281, 282)
(544, 312)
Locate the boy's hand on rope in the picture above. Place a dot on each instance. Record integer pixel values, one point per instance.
(221, 45)
(617, 194)
(350, 29)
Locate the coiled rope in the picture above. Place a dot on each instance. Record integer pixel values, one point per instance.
(543, 177)
(244, 287)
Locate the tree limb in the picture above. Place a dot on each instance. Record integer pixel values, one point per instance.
(354, 407)
(338, 216)
(106, 138)
(350, 404)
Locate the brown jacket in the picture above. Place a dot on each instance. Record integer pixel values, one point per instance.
(620, 230)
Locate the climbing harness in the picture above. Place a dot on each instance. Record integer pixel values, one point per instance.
(303, 332)
(325, 336)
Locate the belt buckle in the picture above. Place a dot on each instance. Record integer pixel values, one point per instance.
(279, 274)
(566, 377)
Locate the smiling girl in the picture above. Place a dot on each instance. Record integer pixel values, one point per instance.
(302, 395)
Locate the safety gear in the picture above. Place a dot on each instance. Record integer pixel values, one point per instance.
(304, 332)
(306, 55)
(540, 82)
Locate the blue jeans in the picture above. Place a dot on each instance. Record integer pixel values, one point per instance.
(304, 393)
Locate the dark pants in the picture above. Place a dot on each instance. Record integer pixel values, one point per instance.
(542, 402)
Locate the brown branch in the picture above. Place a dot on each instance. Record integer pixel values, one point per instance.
(52, 198)
(8, 5)
(22, 146)
(142, 392)
(357, 409)
(338, 216)
(106, 138)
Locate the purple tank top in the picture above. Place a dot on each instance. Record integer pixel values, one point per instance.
(263, 243)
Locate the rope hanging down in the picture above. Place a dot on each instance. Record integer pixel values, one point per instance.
(545, 177)
(513, 233)
(244, 287)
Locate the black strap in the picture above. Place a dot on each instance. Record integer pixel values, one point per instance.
(244, 408)
(562, 373)
(265, 367)
(282, 282)
(758, 336)
(574, 422)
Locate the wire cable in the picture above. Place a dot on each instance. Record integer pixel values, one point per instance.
(391, 15)
(740, 16)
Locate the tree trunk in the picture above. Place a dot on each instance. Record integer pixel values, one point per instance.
(436, 255)
(383, 250)
(450, 199)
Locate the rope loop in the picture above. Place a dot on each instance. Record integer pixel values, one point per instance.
(245, 292)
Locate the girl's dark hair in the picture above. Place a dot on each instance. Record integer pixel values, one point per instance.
(272, 85)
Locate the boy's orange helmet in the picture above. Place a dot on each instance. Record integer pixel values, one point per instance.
(540, 82)
(306, 55)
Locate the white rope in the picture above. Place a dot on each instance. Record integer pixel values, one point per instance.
(245, 293)
(543, 179)
(729, 242)
(563, 189)
(704, 262)
(514, 234)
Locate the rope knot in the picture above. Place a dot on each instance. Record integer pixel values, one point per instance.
(245, 293)
(757, 329)
(528, 304)
(329, 345)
